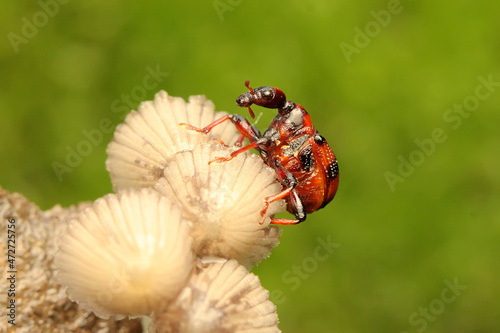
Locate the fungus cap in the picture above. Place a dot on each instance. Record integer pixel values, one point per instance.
(126, 255)
(223, 202)
(149, 137)
(220, 297)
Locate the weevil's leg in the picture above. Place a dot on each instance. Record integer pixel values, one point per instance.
(259, 143)
(239, 142)
(275, 220)
(242, 125)
(273, 198)
(288, 180)
(293, 201)
(209, 127)
(245, 128)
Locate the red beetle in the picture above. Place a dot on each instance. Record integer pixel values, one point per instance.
(304, 163)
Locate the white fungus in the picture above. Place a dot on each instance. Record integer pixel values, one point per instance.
(223, 202)
(149, 137)
(220, 297)
(126, 255)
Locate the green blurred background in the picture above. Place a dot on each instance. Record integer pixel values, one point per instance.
(373, 84)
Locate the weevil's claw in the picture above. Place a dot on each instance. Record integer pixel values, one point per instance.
(263, 213)
(191, 127)
(220, 160)
(221, 142)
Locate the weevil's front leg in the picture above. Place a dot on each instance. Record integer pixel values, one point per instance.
(242, 125)
(246, 129)
(261, 142)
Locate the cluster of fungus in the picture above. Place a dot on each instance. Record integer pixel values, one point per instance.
(176, 241)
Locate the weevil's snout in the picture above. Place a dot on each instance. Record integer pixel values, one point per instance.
(245, 99)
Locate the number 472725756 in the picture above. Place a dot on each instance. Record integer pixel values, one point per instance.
(11, 241)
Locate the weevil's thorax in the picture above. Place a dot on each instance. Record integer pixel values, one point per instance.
(288, 121)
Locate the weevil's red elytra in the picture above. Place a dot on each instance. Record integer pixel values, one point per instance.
(304, 163)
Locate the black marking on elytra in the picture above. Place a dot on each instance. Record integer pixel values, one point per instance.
(332, 171)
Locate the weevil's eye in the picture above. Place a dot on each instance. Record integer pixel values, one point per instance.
(267, 95)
